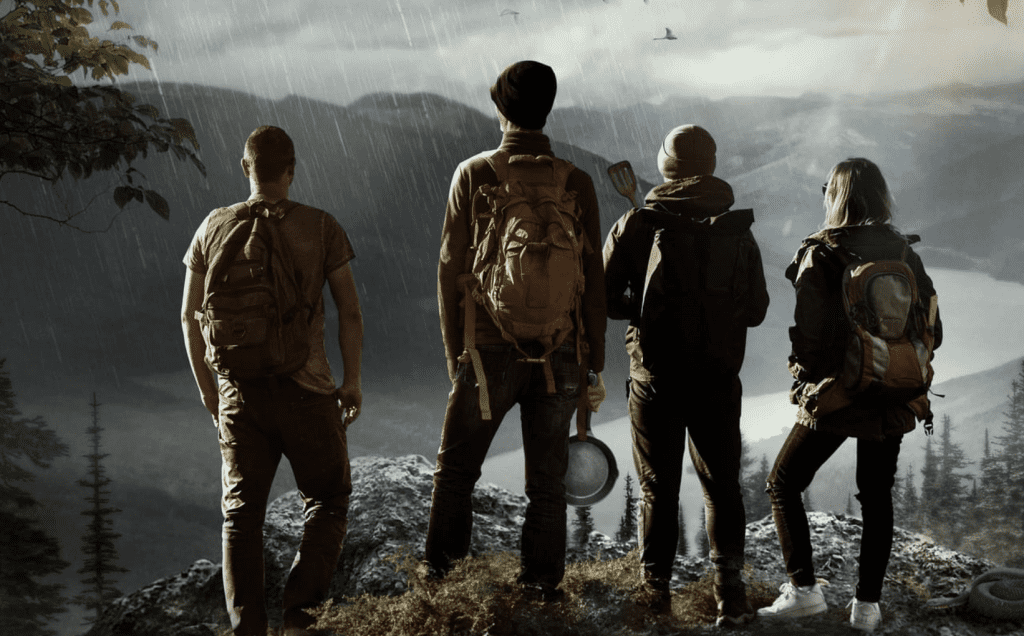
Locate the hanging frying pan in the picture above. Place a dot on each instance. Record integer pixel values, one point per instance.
(592, 470)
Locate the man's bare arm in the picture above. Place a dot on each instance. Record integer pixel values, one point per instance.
(191, 301)
(350, 339)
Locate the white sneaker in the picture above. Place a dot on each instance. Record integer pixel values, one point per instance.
(796, 601)
(864, 616)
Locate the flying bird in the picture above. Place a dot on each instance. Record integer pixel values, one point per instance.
(668, 35)
(514, 14)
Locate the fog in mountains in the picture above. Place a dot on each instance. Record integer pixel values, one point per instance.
(86, 312)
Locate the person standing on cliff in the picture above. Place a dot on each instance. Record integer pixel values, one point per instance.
(297, 414)
(534, 345)
(693, 271)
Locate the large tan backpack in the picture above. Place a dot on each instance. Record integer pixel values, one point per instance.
(527, 268)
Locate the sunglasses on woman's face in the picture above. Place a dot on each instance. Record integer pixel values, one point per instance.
(824, 188)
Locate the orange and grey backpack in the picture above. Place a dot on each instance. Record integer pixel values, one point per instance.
(527, 262)
(892, 334)
(254, 319)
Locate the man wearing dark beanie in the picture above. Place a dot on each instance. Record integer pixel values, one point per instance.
(696, 284)
(491, 284)
(524, 94)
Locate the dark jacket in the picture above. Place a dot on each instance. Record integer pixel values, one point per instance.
(628, 248)
(456, 239)
(821, 329)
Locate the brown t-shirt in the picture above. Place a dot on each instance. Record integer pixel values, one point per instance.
(319, 246)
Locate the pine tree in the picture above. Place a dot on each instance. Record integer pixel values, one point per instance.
(756, 502)
(951, 489)
(993, 485)
(682, 547)
(909, 511)
(701, 536)
(27, 554)
(1011, 454)
(627, 523)
(584, 523)
(98, 542)
(928, 504)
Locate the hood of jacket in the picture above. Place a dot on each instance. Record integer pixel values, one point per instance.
(701, 203)
(695, 197)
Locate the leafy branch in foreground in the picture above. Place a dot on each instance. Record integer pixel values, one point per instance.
(52, 128)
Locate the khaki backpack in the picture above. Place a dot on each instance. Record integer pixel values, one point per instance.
(254, 319)
(892, 333)
(527, 270)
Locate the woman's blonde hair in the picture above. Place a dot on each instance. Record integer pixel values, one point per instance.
(856, 194)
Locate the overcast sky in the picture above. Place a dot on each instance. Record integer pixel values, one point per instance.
(603, 52)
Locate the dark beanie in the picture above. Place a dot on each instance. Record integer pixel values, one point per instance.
(524, 93)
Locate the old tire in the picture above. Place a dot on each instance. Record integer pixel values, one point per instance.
(999, 599)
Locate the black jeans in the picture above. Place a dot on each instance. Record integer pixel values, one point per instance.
(259, 421)
(662, 412)
(801, 456)
(466, 438)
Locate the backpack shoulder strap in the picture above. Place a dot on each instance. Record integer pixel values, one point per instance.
(233, 243)
(843, 256)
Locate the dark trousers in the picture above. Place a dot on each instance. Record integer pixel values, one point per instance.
(662, 412)
(260, 421)
(801, 456)
(466, 438)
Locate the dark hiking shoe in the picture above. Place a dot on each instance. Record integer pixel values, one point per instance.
(733, 615)
(432, 573)
(655, 596)
(543, 593)
(731, 595)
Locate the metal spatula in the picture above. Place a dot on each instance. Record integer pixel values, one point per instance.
(624, 180)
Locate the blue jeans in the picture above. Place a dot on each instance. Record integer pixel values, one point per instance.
(259, 421)
(466, 438)
(799, 459)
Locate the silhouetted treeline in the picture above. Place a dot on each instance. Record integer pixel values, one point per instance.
(978, 513)
(28, 554)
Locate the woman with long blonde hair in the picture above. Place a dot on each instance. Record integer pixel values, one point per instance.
(858, 228)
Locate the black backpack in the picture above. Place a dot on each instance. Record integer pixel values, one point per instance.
(693, 308)
(254, 319)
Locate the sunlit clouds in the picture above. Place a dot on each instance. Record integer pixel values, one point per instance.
(604, 52)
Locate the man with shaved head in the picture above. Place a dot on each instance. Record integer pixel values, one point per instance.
(298, 413)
